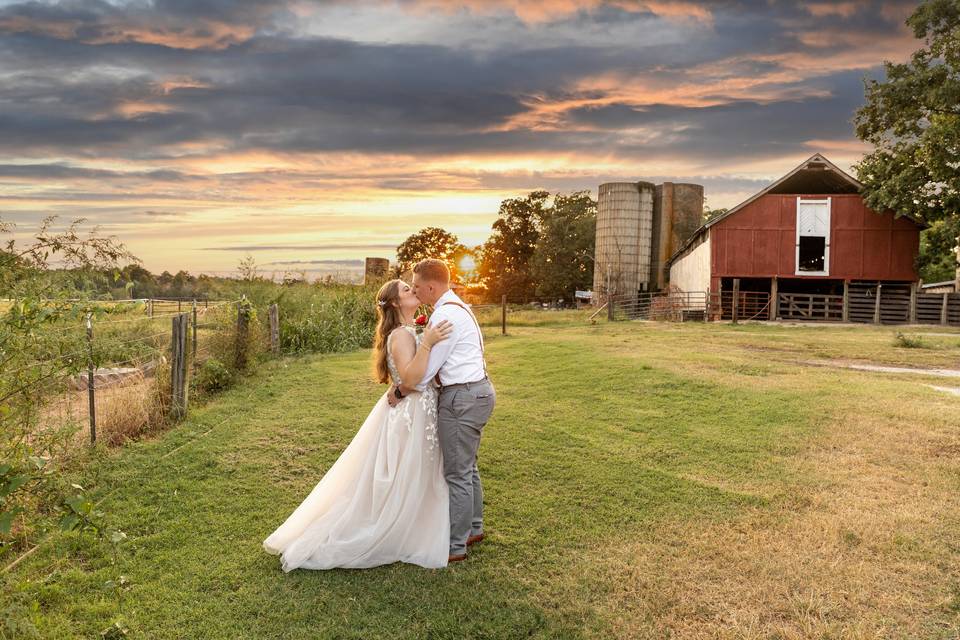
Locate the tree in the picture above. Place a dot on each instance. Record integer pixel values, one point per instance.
(505, 258)
(913, 121)
(247, 269)
(143, 283)
(431, 242)
(709, 214)
(937, 261)
(561, 263)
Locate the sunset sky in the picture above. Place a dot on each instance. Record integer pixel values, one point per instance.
(310, 134)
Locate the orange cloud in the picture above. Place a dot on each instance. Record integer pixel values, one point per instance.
(820, 9)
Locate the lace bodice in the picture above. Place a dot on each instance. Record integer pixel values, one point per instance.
(427, 399)
(391, 365)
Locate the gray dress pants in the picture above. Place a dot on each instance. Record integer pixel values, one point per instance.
(463, 411)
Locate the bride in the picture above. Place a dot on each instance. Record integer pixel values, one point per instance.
(385, 499)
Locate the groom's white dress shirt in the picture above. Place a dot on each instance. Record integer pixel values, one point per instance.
(459, 358)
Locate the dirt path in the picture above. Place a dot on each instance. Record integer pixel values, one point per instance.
(942, 373)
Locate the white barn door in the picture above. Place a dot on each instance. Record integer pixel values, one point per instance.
(813, 237)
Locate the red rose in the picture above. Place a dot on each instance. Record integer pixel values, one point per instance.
(421, 320)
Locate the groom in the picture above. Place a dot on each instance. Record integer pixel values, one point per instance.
(467, 398)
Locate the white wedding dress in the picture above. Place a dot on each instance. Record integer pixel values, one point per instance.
(384, 500)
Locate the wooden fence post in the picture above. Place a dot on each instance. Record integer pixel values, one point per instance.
(845, 312)
(193, 359)
(736, 299)
(944, 308)
(774, 298)
(178, 366)
(876, 305)
(274, 313)
(610, 303)
(503, 314)
(243, 316)
(91, 397)
(150, 307)
(912, 317)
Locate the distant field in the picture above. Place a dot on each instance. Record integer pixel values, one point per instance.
(642, 481)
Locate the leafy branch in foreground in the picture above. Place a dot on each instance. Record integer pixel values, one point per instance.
(35, 360)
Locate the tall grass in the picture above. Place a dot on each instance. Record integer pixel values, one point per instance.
(315, 317)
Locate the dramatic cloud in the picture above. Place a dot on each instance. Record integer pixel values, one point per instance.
(316, 132)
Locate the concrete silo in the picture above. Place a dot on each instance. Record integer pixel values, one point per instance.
(624, 239)
(678, 212)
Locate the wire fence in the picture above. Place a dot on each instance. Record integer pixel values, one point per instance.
(113, 378)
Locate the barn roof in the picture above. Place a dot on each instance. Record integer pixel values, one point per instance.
(815, 175)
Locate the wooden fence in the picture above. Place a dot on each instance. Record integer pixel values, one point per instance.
(803, 306)
(176, 348)
(862, 302)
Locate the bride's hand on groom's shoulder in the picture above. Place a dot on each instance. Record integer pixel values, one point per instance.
(435, 333)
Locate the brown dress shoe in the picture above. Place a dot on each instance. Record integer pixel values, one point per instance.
(459, 558)
(472, 540)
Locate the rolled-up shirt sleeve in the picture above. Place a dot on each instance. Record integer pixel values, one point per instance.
(440, 351)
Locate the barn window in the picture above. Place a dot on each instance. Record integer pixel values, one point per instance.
(812, 252)
(813, 237)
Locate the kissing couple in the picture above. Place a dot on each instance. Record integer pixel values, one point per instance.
(407, 487)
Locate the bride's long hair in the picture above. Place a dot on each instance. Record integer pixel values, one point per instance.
(388, 319)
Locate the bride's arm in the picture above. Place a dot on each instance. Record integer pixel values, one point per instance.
(412, 361)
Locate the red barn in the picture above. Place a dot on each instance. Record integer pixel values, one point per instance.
(807, 247)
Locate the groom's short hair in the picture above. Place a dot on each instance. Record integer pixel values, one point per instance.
(433, 269)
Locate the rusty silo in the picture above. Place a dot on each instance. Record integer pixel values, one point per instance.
(624, 238)
(678, 212)
(376, 270)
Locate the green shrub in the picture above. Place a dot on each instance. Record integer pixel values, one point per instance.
(212, 376)
(909, 342)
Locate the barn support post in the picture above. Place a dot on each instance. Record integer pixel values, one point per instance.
(720, 300)
(912, 318)
(774, 299)
(943, 309)
(736, 299)
(876, 304)
(845, 313)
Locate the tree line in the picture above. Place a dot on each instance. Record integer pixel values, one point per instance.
(540, 248)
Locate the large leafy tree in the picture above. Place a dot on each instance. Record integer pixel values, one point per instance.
(505, 258)
(431, 242)
(938, 249)
(561, 264)
(912, 118)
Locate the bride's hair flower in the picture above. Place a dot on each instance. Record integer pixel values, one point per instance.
(421, 320)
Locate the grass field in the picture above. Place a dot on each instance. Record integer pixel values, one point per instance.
(642, 481)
